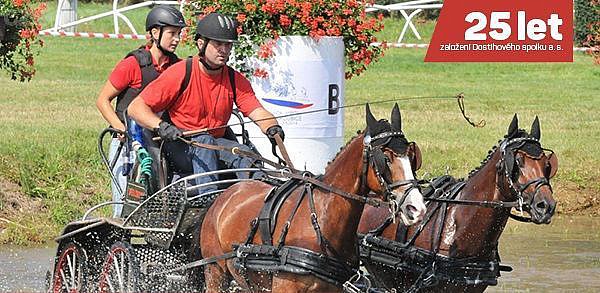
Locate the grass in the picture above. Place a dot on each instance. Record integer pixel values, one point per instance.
(50, 125)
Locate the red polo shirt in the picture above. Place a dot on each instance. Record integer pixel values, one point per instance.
(127, 73)
(207, 102)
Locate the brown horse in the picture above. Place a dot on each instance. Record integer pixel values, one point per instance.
(455, 248)
(317, 248)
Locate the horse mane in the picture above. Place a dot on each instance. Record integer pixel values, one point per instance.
(358, 133)
(520, 133)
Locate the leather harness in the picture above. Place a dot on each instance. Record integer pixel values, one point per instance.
(401, 254)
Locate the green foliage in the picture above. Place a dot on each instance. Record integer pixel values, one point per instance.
(262, 23)
(19, 28)
(587, 22)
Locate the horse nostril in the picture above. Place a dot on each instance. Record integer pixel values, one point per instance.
(411, 211)
(541, 206)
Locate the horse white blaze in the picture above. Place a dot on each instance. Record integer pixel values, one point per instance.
(414, 198)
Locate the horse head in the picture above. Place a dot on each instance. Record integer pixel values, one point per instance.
(526, 168)
(390, 163)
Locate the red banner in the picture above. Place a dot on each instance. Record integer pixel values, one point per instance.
(503, 31)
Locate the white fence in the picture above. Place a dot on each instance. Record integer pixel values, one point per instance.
(408, 10)
(66, 28)
(66, 21)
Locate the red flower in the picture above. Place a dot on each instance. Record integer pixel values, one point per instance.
(263, 21)
(266, 50)
(209, 9)
(38, 11)
(284, 20)
(260, 73)
(25, 33)
(18, 3)
(250, 7)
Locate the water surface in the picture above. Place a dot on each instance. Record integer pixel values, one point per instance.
(561, 257)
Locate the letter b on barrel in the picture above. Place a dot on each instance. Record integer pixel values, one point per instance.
(334, 93)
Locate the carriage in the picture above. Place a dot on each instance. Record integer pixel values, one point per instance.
(155, 233)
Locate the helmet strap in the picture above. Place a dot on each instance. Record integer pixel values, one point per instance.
(202, 55)
(160, 34)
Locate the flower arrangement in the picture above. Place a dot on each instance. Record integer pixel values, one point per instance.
(262, 22)
(19, 37)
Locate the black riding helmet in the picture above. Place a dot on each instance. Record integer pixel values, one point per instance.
(161, 16)
(164, 15)
(218, 27)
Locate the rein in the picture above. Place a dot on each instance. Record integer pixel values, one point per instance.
(482, 203)
(460, 98)
(516, 189)
(290, 173)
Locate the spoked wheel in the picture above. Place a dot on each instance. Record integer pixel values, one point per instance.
(120, 270)
(70, 270)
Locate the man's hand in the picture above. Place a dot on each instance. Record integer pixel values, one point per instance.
(168, 132)
(272, 131)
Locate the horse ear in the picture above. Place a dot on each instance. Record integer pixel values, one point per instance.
(535, 129)
(553, 164)
(396, 118)
(416, 159)
(514, 126)
(371, 121)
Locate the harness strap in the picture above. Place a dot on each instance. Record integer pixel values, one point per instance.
(482, 203)
(291, 173)
(198, 263)
(283, 150)
(366, 200)
(296, 260)
(253, 228)
(286, 227)
(315, 222)
(234, 150)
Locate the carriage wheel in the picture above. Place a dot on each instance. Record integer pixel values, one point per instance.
(120, 270)
(69, 271)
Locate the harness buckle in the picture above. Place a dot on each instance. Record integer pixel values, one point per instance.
(350, 284)
(520, 201)
(393, 210)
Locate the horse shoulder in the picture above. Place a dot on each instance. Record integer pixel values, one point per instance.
(235, 209)
(371, 218)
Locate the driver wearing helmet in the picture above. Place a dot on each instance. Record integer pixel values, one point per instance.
(132, 74)
(206, 102)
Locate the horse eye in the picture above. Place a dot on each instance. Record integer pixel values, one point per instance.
(547, 170)
(520, 161)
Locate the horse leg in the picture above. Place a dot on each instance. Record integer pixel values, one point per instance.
(285, 282)
(217, 279)
(252, 281)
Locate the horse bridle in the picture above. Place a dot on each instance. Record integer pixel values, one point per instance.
(517, 189)
(373, 155)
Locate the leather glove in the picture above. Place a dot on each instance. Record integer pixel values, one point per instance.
(275, 129)
(168, 132)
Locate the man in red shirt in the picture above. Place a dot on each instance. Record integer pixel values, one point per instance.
(206, 102)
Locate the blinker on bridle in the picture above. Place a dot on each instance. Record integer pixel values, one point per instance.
(373, 155)
(517, 188)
